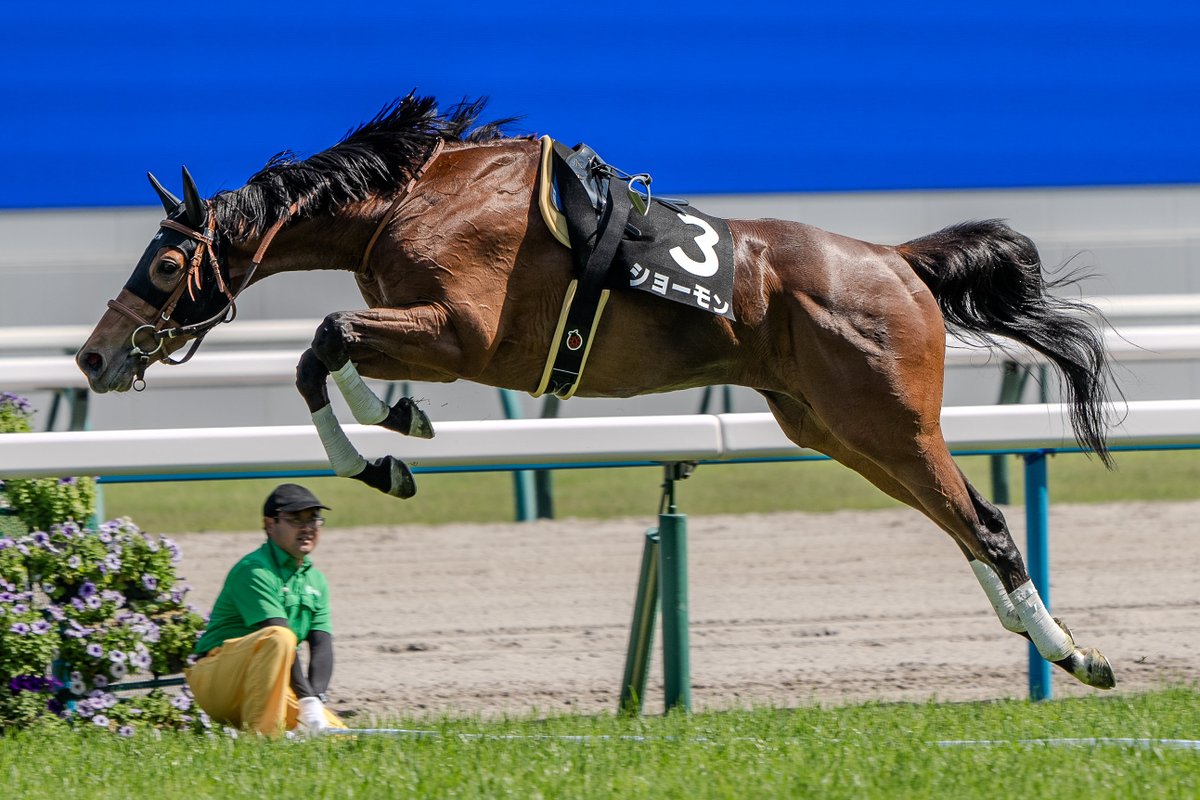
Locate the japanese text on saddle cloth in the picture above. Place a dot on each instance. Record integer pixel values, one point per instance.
(670, 249)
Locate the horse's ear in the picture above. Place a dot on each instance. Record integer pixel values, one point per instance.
(191, 198)
(170, 202)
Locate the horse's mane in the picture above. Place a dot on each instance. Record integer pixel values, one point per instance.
(376, 157)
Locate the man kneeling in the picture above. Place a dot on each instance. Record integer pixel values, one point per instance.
(247, 672)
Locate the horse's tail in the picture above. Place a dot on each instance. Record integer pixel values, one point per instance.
(988, 281)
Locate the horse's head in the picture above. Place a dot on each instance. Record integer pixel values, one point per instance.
(177, 292)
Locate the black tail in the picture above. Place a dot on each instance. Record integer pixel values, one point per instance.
(988, 280)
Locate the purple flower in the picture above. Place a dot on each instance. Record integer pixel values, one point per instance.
(7, 597)
(112, 561)
(77, 687)
(99, 681)
(6, 542)
(125, 730)
(19, 608)
(94, 650)
(181, 702)
(116, 656)
(56, 613)
(118, 670)
(104, 536)
(150, 582)
(100, 720)
(40, 538)
(41, 627)
(74, 562)
(92, 602)
(19, 628)
(87, 590)
(140, 660)
(66, 481)
(19, 404)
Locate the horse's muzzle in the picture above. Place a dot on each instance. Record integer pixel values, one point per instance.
(103, 375)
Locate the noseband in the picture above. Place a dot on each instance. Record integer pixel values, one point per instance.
(206, 253)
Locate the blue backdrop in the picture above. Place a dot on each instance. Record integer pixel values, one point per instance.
(708, 97)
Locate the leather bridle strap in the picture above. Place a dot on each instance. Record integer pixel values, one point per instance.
(191, 281)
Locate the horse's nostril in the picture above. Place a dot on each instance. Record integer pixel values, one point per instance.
(93, 362)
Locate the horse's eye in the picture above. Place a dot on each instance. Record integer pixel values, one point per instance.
(167, 268)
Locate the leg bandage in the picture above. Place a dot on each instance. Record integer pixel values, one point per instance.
(343, 456)
(1052, 642)
(367, 408)
(998, 597)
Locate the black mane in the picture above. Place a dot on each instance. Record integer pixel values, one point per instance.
(375, 157)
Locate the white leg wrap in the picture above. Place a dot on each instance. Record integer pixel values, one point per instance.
(998, 597)
(343, 457)
(367, 408)
(1051, 641)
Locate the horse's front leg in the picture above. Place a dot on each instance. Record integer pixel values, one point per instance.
(388, 474)
(332, 346)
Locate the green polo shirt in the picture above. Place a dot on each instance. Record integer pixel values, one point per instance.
(265, 584)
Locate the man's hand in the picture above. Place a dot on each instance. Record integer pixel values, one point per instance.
(312, 716)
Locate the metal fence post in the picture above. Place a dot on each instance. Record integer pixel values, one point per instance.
(524, 493)
(672, 564)
(641, 631)
(1037, 545)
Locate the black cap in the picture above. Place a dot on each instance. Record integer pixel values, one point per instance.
(290, 497)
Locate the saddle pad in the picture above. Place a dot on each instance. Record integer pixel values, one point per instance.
(673, 251)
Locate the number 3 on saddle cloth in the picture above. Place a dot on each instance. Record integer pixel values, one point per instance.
(622, 239)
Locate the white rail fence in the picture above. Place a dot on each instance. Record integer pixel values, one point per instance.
(517, 444)
(528, 443)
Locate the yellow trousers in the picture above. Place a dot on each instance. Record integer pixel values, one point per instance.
(246, 682)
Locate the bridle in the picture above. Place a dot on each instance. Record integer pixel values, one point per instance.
(161, 330)
(207, 241)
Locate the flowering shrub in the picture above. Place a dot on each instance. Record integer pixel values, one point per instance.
(41, 502)
(83, 609)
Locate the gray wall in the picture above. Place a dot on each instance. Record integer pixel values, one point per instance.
(59, 267)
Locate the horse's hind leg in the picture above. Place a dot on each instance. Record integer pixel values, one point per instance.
(800, 424)
(907, 458)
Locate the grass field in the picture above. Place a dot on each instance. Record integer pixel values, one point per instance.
(867, 751)
(634, 491)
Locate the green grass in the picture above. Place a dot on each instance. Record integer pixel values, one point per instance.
(621, 492)
(867, 751)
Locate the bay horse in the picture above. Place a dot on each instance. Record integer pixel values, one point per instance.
(436, 218)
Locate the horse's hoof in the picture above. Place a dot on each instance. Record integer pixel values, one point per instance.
(389, 475)
(1092, 668)
(406, 418)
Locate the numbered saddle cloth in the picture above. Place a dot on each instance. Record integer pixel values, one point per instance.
(673, 250)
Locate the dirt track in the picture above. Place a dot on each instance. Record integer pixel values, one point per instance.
(786, 609)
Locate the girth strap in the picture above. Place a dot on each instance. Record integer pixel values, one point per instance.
(595, 234)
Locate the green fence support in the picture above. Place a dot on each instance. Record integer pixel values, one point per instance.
(1012, 385)
(641, 631)
(672, 567)
(523, 488)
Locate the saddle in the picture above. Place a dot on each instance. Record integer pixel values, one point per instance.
(622, 237)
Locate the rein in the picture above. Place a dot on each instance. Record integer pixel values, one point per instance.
(159, 333)
(394, 208)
